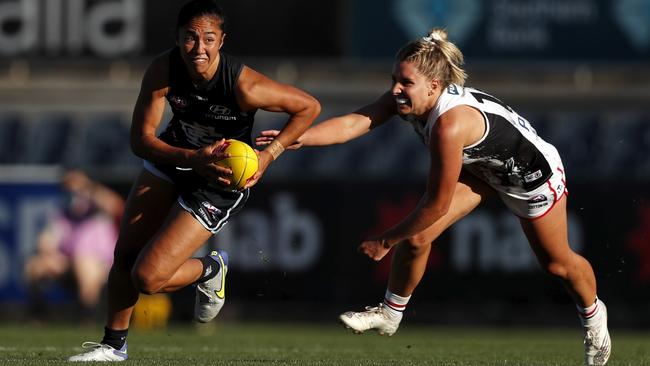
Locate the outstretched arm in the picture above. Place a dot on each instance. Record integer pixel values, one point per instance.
(338, 130)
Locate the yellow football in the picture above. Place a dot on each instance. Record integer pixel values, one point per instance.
(242, 161)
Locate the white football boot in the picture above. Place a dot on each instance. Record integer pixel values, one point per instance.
(100, 352)
(598, 345)
(211, 294)
(376, 318)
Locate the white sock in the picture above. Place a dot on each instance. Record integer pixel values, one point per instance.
(589, 314)
(395, 304)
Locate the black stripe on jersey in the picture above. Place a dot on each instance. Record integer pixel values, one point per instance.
(507, 158)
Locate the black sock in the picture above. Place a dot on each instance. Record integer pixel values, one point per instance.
(115, 338)
(210, 268)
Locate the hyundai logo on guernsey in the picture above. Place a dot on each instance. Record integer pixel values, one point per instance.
(219, 109)
(221, 112)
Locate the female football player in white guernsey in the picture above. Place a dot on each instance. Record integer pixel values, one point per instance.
(181, 197)
(478, 147)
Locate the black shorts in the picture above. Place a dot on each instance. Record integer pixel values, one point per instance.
(211, 205)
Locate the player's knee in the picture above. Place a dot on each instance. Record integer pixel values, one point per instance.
(145, 282)
(418, 241)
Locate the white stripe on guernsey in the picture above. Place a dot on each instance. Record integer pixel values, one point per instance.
(197, 217)
(224, 221)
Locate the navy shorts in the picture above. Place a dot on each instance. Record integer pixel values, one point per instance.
(211, 205)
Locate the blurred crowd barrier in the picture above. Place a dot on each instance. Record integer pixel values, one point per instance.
(577, 70)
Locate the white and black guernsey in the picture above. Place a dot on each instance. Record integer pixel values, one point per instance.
(204, 115)
(510, 156)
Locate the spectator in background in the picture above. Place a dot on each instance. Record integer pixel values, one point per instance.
(77, 242)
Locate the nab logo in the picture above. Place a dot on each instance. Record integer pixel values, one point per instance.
(219, 109)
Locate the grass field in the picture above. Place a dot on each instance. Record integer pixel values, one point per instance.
(277, 344)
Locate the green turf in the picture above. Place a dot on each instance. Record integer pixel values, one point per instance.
(270, 344)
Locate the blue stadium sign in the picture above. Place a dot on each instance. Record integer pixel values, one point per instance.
(546, 30)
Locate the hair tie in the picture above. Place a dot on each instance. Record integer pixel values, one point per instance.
(430, 40)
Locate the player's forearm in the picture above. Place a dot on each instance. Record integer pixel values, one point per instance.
(417, 221)
(336, 130)
(295, 127)
(298, 124)
(153, 149)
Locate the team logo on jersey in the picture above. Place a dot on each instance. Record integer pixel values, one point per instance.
(198, 97)
(537, 199)
(533, 176)
(219, 109)
(177, 102)
(452, 89)
(208, 212)
(210, 208)
(198, 134)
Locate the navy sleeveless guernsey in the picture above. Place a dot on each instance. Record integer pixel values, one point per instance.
(204, 115)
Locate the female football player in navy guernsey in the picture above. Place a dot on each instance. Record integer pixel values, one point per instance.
(478, 147)
(181, 198)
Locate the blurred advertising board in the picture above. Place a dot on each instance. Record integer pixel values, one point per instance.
(24, 207)
(529, 30)
(532, 30)
(72, 28)
(298, 243)
(119, 29)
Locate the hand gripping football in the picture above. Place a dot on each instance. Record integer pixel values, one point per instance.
(242, 161)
